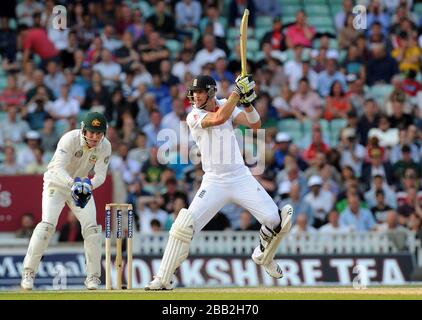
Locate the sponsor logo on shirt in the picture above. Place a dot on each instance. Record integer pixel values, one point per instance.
(93, 159)
(79, 153)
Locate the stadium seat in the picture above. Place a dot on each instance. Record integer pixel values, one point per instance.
(335, 127)
(317, 10)
(288, 125)
(380, 91)
(146, 8)
(264, 22)
(418, 9)
(174, 47)
(260, 33)
(290, 10)
(289, 2)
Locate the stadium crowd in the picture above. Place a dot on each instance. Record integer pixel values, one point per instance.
(341, 106)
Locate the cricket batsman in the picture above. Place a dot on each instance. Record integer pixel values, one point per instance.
(223, 182)
(80, 153)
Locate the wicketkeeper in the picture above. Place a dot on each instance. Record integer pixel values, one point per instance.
(80, 153)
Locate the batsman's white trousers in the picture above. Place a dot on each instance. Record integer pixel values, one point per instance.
(53, 201)
(245, 191)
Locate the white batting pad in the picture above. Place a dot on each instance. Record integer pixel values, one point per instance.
(177, 249)
(37, 245)
(264, 258)
(92, 245)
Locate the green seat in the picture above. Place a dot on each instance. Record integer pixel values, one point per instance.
(174, 46)
(290, 2)
(317, 10)
(315, 2)
(290, 10)
(380, 92)
(260, 33)
(146, 8)
(264, 22)
(335, 127)
(320, 21)
(418, 9)
(289, 125)
(252, 45)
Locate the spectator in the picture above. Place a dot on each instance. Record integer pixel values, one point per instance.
(71, 230)
(39, 166)
(156, 226)
(342, 16)
(54, 78)
(65, 107)
(247, 222)
(337, 104)
(306, 103)
(9, 166)
(381, 208)
(209, 54)
(140, 153)
(236, 9)
(294, 198)
(302, 226)
(348, 34)
(213, 18)
(368, 120)
(396, 232)
(405, 162)
(13, 128)
(171, 194)
(27, 226)
(179, 204)
(321, 201)
(378, 183)
(126, 55)
(162, 22)
(275, 37)
(185, 65)
(376, 165)
(356, 93)
(151, 172)
(300, 32)
(49, 136)
(188, 14)
(12, 94)
(35, 40)
(356, 218)
(108, 38)
(36, 110)
(317, 145)
(126, 167)
(352, 153)
(381, 67)
(327, 77)
(149, 211)
(109, 70)
(407, 54)
(154, 52)
(25, 11)
(333, 226)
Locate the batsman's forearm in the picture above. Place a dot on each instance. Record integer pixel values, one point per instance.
(229, 106)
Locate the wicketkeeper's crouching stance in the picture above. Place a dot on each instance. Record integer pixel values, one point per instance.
(78, 153)
(223, 182)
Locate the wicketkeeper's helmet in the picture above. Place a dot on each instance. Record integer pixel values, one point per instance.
(95, 122)
(202, 82)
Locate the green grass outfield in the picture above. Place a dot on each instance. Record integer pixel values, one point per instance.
(291, 293)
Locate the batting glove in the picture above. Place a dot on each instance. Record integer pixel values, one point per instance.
(248, 97)
(244, 85)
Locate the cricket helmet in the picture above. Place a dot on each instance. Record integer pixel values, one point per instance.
(202, 82)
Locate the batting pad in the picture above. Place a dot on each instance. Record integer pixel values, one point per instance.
(177, 249)
(37, 245)
(92, 245)
(286, 223)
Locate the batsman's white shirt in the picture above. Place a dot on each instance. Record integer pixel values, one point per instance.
(73, 159)
(226, 177)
